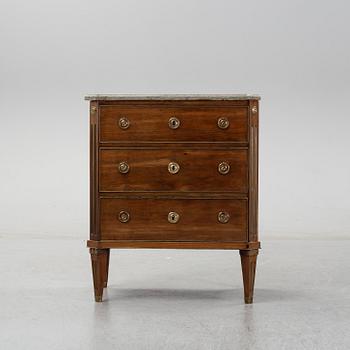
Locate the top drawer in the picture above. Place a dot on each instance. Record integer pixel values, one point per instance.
(173, 124)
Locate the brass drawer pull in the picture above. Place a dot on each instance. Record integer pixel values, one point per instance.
(223, 217)
(174, 123)
(123, 216)
(123, 167)
(223, 123)
(124, 123)
(173, 217)
(224, 168)
(173, 168)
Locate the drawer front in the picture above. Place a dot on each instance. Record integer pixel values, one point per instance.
(173, 170)
(154, 124)
(174, 219)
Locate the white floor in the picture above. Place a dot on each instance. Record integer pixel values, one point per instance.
(174, 299)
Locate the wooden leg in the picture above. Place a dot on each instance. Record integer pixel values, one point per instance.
(99, 259)
(107, 269)
(248, 261)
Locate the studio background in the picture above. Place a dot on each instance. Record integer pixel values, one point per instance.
(293, 53)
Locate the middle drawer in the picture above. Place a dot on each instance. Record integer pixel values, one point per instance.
(173, 170)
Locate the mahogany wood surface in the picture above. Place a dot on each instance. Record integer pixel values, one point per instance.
(148, 192)
(150, 124)
(248, 262)
(128, 244)
(198, 220)
(253, 170)
(99, 262)
(149, 170)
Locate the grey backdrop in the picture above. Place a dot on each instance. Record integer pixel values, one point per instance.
(294, 53)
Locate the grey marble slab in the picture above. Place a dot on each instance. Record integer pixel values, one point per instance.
(165, 97)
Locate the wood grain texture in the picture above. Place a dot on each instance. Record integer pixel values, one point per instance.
(198, 170)
(99, 262)
(94, 181)
(198, 220)
(248, 262)
(174, 195)
(148, 192)
(105, 279)
(150, 124)
(128, 244)
(253, 169)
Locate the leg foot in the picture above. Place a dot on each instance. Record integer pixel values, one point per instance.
(107, 269)
(99, 260)
(248, 261)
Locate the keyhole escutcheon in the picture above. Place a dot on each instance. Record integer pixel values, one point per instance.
(173, 217)
(173, 168)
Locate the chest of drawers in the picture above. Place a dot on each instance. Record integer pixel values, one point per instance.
(174, 172)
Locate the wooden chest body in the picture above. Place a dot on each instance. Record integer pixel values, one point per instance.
(176, 171)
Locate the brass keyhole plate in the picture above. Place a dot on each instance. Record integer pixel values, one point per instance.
(173, 168)
(173, 217)
(174, 123)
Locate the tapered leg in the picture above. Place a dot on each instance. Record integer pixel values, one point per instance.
(107, 269)
(99, 261)
(248, 261)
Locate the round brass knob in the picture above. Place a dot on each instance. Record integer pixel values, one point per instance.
(173, 167)
(173, 217)
(174, 123)
(223, 123)
(224, 168)
(124, 123)
(223, 217)
(123, 216)
(123, 167)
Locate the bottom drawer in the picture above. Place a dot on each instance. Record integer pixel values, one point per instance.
(216, 220)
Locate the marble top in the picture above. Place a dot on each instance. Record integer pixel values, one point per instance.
(165, 97)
